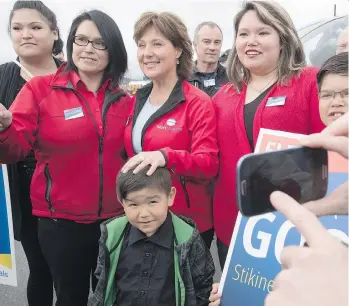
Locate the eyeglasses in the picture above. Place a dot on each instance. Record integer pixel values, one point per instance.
(330, 95)
(98, 44)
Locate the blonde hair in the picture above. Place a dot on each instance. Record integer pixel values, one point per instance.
(292, 58)
(174, 29)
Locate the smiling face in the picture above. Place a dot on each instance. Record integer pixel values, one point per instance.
(87, 59)
(156, 55)
(31, 34)
(257, 44)
(208, 44)
(147, 208)
(333, 108)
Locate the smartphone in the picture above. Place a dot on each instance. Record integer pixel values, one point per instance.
(301, 172)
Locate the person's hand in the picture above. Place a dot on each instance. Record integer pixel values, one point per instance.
(335, 203)
(5, 118)
(333, 138)
(138, 162)
(313, 275)
(215, 297)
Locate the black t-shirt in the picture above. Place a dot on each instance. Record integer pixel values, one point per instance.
(249, 113)
(29, 161)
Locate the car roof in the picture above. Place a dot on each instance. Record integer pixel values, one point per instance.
(306, 30)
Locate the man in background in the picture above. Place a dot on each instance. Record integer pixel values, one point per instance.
(209, 75)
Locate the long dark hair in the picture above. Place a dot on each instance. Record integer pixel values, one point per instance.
(44, 11)
(112, 37)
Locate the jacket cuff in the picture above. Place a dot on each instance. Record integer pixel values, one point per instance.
(5, 135)
(162, 151)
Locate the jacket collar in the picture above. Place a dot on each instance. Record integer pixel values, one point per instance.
(77, 82)
(113, 231)
(163, 236)
(177, 94)
(70, 80)
(218, 73)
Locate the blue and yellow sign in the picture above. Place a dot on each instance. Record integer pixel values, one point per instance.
(7, 257)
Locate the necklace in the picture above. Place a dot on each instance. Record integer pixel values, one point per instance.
(264, 87)
(156, 102)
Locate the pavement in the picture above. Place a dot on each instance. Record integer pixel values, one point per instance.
(16, 296)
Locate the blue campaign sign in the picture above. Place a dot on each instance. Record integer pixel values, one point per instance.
(7, 256)
(254, 254)
(254, 261)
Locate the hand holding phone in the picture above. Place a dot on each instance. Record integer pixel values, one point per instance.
(300, 172)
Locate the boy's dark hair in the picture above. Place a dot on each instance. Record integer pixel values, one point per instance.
(337, 64)
(130, 182)
(113, 39)
(46, 13)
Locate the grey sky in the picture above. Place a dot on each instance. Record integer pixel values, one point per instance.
(126, 12)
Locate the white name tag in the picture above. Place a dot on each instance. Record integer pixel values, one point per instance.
(211, 82)
(276, 101)
(73, 113)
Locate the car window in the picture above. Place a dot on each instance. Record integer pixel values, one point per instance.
(305, 30)
(320, 43)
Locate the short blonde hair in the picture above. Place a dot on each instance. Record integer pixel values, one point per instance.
(292, 58)
(174, 29)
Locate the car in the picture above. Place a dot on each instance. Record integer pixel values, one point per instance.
(320, 39)
(134, 85)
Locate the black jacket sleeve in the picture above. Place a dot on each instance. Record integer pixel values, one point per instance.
(202, 267)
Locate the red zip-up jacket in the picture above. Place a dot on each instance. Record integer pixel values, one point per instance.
(184, 129)
(78, 143)
(299, 114)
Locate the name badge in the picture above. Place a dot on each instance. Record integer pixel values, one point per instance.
(276, 101)
(211, 82)
(73, 113)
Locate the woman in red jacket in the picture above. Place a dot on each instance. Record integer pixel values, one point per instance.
(270, 88)
(35, 37)
(74, 121)
(173, 124)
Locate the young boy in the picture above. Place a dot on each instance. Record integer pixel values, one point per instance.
(151, 257)
(332, 80)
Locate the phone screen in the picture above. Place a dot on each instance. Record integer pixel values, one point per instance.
(299, 172)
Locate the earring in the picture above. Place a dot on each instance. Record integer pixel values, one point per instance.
(177, 61)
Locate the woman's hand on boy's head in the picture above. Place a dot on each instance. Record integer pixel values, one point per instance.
(215, 297)
(138, 162)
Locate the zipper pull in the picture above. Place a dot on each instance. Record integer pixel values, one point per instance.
(128, 120)
(182, 180)
(100, 144)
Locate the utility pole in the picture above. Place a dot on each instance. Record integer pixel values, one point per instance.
(335, 10)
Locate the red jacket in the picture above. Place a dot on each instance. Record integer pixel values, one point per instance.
(184, 129)
(299, 114)
(77, 159)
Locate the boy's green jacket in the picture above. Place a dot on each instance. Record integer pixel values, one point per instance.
(193, 264)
